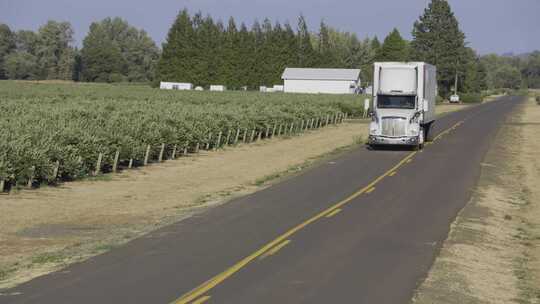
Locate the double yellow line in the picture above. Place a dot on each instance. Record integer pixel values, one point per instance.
(282, 239)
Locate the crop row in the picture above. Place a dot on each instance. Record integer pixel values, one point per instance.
(51, 132)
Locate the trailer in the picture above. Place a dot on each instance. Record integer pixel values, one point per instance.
(403, 109)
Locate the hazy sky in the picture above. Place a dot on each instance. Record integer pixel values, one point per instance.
(498, 26)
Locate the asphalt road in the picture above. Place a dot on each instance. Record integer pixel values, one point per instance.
(362, 228)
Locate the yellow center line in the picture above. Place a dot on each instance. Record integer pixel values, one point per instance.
(208, 285)
(333, 213)
(370, 190)
(392, 174)
(201, 300)
(275, 249)
(409, 160)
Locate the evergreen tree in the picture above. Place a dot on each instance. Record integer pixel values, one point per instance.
(245, 57)
(290, 47)
(394, 48)
(438, 40)
(257, 77)
(326, 56)
(174, 63)
(306, 54)
(232, 60)
(265, 53)
(375, 47)
(287, 51)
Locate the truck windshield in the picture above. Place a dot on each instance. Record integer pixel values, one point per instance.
(393, 101)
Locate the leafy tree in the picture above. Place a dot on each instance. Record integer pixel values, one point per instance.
(438, 40)
(21, 65)
(132, 55)
(27, 41)
(7, 45)
(100, 56)
(394, 48)
(507, 76)
(531, 70)
(54, 53)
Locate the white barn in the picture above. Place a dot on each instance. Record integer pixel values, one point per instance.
(175, 86)
(329, 81)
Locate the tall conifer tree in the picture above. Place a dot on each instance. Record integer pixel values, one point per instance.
(438, 40)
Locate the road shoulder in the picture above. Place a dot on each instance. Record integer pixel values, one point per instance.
(492, 252)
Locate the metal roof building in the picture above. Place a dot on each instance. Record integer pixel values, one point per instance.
(329, 81)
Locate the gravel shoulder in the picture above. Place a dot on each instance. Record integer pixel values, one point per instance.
(492, 254)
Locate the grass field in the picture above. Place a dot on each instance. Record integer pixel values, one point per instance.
(54, 131)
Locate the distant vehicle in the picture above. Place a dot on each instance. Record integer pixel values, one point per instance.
(218, 88)
(454, 98)
(403, 103)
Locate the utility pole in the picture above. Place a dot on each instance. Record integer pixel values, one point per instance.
(456, 78)
(455, 83)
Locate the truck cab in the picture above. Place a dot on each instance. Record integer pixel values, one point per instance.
(403, 107)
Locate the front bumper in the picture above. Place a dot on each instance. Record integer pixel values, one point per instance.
(385, 140)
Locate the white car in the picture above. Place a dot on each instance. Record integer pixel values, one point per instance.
(454, 98)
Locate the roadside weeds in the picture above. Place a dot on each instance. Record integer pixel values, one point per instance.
(492, 253)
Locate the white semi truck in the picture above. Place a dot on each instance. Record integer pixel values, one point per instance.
(403, 109)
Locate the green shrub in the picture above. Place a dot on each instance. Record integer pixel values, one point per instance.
(470, 97)
(115, 77)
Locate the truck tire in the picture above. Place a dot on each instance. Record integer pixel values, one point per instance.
(427, 133)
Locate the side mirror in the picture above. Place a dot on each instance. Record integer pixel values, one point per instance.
(425, 105)
(370, 113)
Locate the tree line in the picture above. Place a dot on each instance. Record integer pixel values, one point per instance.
(112, 51)
(203, 51)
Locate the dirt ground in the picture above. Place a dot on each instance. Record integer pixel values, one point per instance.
(45, 229)
(492, 254)
(444, 108)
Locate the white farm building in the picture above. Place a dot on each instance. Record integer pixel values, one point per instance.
(329, 81)
(175, 86)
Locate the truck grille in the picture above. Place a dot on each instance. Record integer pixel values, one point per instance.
(394, 126)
